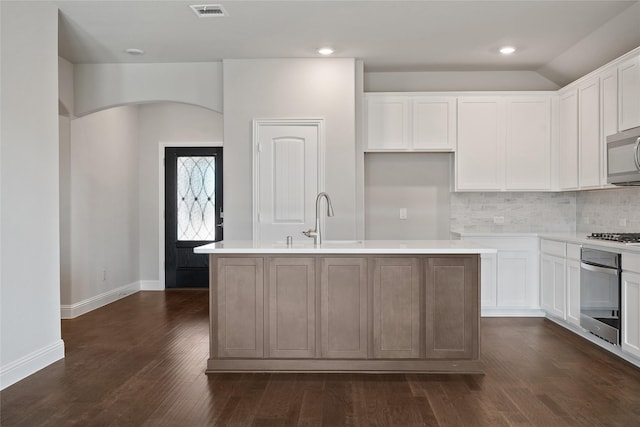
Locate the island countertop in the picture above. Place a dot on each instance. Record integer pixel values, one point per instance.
(382, 247)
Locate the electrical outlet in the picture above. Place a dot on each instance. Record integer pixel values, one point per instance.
(498, 220)
(103, 275)
(403, 213)
(586, 220)
(622, 222)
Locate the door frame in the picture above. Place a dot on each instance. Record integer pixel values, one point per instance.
(161, 188)
(318, 123)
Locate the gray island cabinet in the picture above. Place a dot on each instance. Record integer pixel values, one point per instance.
(368, 306)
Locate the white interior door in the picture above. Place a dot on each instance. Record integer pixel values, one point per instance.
(288, 174)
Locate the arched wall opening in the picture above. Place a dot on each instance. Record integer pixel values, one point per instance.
(109, 189)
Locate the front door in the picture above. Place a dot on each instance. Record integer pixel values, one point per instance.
(193, 212)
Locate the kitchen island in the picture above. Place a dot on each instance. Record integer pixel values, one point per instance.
(368, 306)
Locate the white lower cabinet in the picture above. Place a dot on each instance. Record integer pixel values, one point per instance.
(631, 313)
(573, 291)
(509, 279)
(553, 290)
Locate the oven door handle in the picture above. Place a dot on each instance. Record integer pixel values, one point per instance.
(596, 269)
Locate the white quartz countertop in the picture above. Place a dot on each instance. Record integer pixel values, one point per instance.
(381, 247)
(576, 238)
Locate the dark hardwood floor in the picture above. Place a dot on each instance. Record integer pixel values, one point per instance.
(141, 360)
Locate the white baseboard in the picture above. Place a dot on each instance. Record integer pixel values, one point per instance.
(30, 364)
(74, 310)
(151, 285)
(512, 312)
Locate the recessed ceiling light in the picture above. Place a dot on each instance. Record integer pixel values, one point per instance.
(325, 51)
(507, 50)
(134, 51)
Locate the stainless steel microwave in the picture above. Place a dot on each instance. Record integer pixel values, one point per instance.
(623, 157)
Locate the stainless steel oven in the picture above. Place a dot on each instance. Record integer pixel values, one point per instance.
(600, 293)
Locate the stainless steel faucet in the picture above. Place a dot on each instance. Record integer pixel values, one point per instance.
(317, 233)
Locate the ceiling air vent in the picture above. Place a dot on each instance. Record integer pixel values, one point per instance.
(208, 10)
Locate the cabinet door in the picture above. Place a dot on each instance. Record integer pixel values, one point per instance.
(343, 290)
(451, 307)
(292, 307)
(488, 297)
(434, 123)
(573, 291)
(568, 140)
(629, 94)
(481, 135)
(631, 313)
(609, 107)
(589, 134)
(553, 285)
(515, 273)
(528, 143)
(396, 307)
(240, 307)
(388, 122)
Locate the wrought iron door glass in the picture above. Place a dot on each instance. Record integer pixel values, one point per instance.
(196, 181)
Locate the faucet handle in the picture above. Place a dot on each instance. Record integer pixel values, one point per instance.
(310, 233)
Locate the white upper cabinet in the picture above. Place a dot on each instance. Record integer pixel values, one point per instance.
(629, 93)
(528, 143)
(504, 143)
(387, 122)
(410, 122)
(434, 123)
(589, 133)
(609, 114)
(481, 139)
(568, 140)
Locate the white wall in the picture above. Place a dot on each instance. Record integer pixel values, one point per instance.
(29, 232)
(438, 81)
(104, 205)
(277, 88)
(417, 182)
(99, 86)
(65, 87)
(165, 123)
(615, 38)
(65, 208)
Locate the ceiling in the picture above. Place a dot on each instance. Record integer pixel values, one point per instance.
(387, 35)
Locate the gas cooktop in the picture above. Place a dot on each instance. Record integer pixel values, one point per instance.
(626, 238)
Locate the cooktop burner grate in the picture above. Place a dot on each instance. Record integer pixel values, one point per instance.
(628, 238)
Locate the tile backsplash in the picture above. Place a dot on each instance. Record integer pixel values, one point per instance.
(609, 210)
(612, 210)
(522, 212)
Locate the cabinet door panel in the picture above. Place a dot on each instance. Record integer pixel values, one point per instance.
(434, 126)
(589, 132)
(528, 147)
(240, 307)
(451, 299)
(480, 152)
(573, 292)
(631, 313)
(568, 141)
(609, 103)
(396, 307)
(514, 274)
(343, 290)
(629, 94)
(388, 123)
(292, 307)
